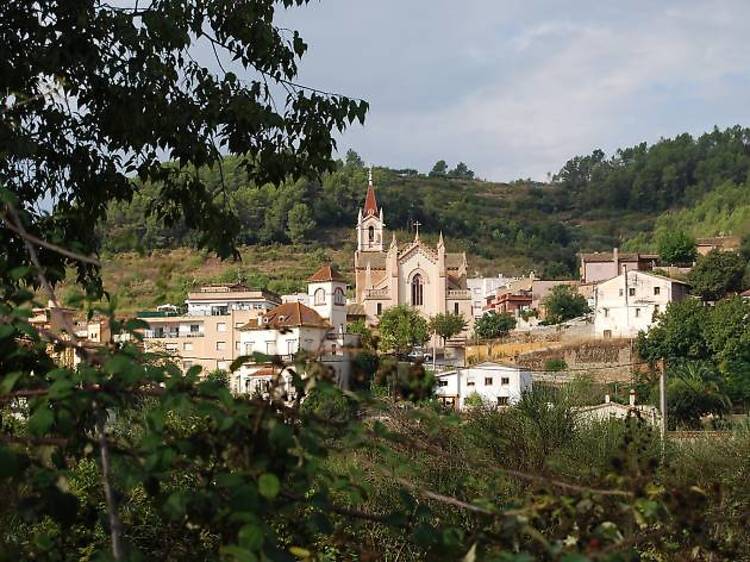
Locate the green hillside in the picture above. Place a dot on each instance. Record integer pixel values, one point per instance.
(593, 203)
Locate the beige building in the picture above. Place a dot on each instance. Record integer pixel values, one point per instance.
(414, 274)
(207, 333)
(720, 243)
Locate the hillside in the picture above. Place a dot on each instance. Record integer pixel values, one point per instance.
(594, 203)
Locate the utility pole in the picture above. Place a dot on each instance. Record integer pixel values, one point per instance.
(663, 403)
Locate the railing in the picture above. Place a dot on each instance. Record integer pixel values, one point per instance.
(458, 294)
(376, 293)
(153, 334)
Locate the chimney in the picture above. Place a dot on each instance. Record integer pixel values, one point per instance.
(616, 259)
(606, 398)
(632, 397)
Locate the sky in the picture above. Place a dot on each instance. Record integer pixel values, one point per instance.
(514, 88)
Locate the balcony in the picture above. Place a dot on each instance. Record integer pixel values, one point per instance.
(161, 334)
(376, 293)
(458, 294)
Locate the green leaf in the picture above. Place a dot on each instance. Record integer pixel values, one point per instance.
(237, 553)
(41, 421)
(6, 330)
(269, 485)
(8, 463)
(60, 389)
(251, 536)
(9, 381)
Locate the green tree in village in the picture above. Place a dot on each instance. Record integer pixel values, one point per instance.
(676, 246)
(564, 303)
(401, 329)
(716, 274)
(440, 169)
(493, 325)
(446, 325)
(694, 390)
(300, 223)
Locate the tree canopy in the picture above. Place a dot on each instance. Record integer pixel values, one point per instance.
(447, 324)
(93, 94)
(716, 274)
(402, 328)
(676, 246)
(564, 303)
(493, 325)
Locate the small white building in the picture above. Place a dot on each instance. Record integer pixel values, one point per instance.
(630, 302)
(609, 410)
(326, 295)
(495, 383)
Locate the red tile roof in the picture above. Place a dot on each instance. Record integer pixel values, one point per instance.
(288, 315)
(371, 205)
(326, 273)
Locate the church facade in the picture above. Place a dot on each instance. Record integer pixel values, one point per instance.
(416, 274)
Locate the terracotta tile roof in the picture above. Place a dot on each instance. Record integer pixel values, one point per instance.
(288, 315)
(371, 204)
(326, 273)
(745, 293)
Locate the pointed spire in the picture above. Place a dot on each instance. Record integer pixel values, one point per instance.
(371, 204)
(441, 242)
(394, 244)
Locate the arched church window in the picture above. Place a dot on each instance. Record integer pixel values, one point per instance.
(319, 297)
(417, 290)
(371, 233)
(338, 296)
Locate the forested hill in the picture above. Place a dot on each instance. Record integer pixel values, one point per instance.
(593, 203)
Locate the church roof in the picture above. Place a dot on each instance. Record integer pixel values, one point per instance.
(326, 273)
(371, 204)
(288, 315)
(377, 260)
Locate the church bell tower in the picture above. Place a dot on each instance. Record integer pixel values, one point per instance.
(370, 222)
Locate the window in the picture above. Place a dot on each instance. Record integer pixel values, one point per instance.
(171, 347)
(487, 381)
(631, 291)
(657, 290)
(187, 346)
(371, 233)
(455, 308)
(469, 383)
(502, 400)
(194, 328)
(656, 309)
(221, 345)
(338, 296)
(637, 312)
(417, 290)
(622, 292)
(505, 380)
(606, 312)
(607, 333)
(187, 364)
(291, 347)
(237, 346)
(379, 308)
(442, 383)
(319, 296)
(221, 326)
(248, 348)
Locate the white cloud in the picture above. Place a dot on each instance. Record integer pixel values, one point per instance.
(515, 92)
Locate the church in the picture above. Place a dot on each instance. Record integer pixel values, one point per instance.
(415, 274)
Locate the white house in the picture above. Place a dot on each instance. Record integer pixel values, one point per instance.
(495, 383)
(609, 410)
(630, 302)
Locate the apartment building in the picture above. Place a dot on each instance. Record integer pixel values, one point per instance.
(206, 332)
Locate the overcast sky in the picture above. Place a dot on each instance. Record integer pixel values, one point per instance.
(516, 87)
